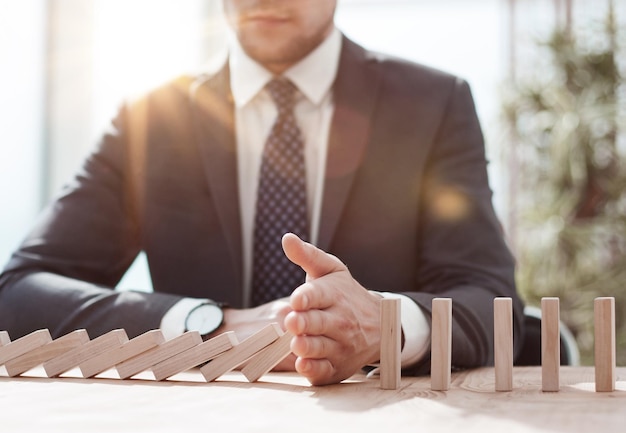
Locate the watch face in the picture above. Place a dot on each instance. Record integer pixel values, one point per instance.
(205, 319)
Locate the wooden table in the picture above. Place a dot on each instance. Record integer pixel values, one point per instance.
(283, 402)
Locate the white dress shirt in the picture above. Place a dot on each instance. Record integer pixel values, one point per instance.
(255, 113)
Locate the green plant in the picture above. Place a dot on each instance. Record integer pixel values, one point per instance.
(567, 120)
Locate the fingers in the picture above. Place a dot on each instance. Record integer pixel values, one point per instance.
(309, 296)
(315, 262)
(317, 371)
(314, 356)
(313, 360)
(314, 347)
(313, 322)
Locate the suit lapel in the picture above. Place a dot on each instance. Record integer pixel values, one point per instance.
(355, 92)
(213, 112)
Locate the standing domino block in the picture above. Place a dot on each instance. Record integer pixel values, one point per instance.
(195, 356)
(550, 344)
(4, 338)
(111, 358)
(24, 345)
(266, 359)
(441, 344)
(157, 354)
(503, 343)
(604, 330)
(390, 343)
(240, 353)
(36, 357)
(73, 358)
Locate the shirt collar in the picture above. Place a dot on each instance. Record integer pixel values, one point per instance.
(313, 75)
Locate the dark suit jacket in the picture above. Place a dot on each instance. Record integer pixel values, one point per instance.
(407, 207)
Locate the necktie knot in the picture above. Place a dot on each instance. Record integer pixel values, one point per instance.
(283, 93)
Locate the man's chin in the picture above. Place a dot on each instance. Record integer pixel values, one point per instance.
(274, 56)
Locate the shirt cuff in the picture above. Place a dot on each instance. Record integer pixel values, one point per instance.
(415, 327)
(173, 322)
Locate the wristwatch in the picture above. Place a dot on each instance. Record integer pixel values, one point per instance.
(205, 318)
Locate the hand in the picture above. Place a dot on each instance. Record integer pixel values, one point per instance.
(245, 322)
(335, 320)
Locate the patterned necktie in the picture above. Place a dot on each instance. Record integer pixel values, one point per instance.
(281, 205)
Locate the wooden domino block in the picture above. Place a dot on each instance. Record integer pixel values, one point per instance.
(4, 338)
(267, 358)
(604, 330)
(240, 353)
(128, 350)
(441, 344)
(390, 343)
(24, 345)
(73, 358)
(195, 356)
(57, 347)
(503, 343)
(148, 359)
(550, 344)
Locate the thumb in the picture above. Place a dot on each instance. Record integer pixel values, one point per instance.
(315, 262)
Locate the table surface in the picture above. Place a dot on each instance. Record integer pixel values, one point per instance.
(286, 402)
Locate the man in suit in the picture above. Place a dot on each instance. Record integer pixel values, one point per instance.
(397, 205)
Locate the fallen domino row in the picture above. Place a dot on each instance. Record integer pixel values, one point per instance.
(260, 352)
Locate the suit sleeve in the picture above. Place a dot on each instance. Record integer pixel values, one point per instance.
(63, 275)
(463, 252)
